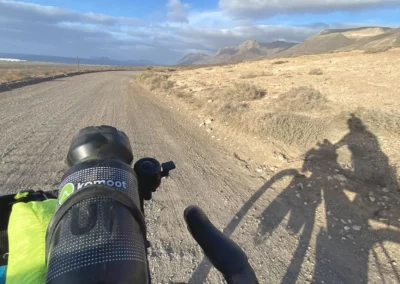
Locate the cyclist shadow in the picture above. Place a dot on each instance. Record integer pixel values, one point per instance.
(347, 198)
(365, 189)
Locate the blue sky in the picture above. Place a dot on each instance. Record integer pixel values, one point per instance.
(127, 8)
(165, 30)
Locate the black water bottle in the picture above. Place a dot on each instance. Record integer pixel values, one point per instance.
(98, 233)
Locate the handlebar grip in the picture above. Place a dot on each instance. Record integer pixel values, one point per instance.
(224, 254)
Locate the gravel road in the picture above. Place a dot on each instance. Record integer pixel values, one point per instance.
(38, 122)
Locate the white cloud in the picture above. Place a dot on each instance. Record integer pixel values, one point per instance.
(177, 11)
(265, 8)
(38, 29)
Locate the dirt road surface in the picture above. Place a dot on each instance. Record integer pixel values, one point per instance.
(38, 122)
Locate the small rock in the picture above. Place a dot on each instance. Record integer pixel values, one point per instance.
(385, 189)
(356, 228)
(210, 101)
(329, 178)
(372, 199)
(330, 237)
(349, 221)
(329, 213)
(340, 178)
(300, 185)
(370, 193)
(346, 228)
(394, 263)
(343, 221)
(298, 195)
(343, 238)
(209, 121)
(305, 203)
(309, 185)
(202, 124)
(385, 198)
(259, 170)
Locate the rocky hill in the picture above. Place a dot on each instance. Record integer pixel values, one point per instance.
(248, 50)
(346, 39)
(331, 40)
(193, 58)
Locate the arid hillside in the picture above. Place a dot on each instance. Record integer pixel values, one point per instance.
(247, 50)
(323, 132)
(294, 103)
(370, 39)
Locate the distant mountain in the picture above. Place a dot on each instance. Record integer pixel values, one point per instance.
(248, 50)
(192, 58)
(72, 60)
(345, 39)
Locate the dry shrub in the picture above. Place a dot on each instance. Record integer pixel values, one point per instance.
(280, 62)
(379, 121)
(189, 98)
(180, 94)
(156, 81)
(292, 129)
(12, 75)
(240, 92)
(194, 101)
(302, 99)
(251, 75)
(316, 71)
(232, 109)
(377, 49)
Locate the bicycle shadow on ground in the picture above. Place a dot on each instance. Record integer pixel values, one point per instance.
(359, 193)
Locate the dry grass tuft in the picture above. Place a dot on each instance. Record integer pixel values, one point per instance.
(292, 129)
(377, 49)
(240, 92)
(316, 71)
(302, 99)
(379, 121)
(251, 75)
(156, 81)
(231, 109)
(280, 62)
(12, 75)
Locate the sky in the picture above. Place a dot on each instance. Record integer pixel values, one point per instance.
(163, 31)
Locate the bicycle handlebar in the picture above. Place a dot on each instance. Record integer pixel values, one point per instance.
(224, 254)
